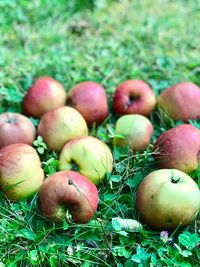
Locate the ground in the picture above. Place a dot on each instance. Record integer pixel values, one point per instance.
(108, 42)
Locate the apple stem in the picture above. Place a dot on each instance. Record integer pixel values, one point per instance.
(175, 180)
(132, 99)
(10, 120)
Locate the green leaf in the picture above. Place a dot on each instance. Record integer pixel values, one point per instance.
(36, 143)
(107, 197)
(111, 131)
(65, 225)
(120, 168)
(123, 252)
(27, 234)
(186, 253)
(123, 233)
(116, 224)
(40, 150)
(33, 256)
(141, 255)
(120, 136)
(188, 240)
(130, 182)
(44, 145)
(44, 247)
(115, 178)
(40, 139)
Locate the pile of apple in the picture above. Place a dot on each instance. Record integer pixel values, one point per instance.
(166, 198)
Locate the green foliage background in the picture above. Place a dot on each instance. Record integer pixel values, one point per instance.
(108, 42)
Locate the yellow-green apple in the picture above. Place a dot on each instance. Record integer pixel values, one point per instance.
(44, 95)
(68, 190)
(89, 155)
(89, 98)
(16, 128)
(134, 97)
(178, 148)
(167, 199)
(21, 174)
(181, 101)
(133, 130)
(60, 125)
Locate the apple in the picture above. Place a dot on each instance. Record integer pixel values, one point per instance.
(68, 190)
(89, 155)
(44, 95)
(16, 128)
(134, 97)
(181, 101)
(178, 148)
(167, 199)
(60, 125)
(89, 98)
(21, 174)
(136, 129)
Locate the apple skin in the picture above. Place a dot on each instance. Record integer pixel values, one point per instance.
(89, 98)
(21, 174)
(16, 128)
(68, 190)
(44, 95)
(167, 198)
(90, 155)
(136, 129)
(60, 125)
(178, 148)
(134, 97)
(181, 101)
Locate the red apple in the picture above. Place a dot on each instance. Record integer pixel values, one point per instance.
(60, 125)
(167, 199)
(134, 97)
(68, 190)
(89, 98)
(179, 148)
(21, 174)
(44, 95)
(15, 128)
(181, 101)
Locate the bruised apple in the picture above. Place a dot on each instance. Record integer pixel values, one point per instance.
(134, 97)
(178, 148)
(60, 125)
(21, 174)
(134, 131)
(89, 98)
(16, 128)
(89, 155)
(167, 199)
(44, 95)
(68, 190)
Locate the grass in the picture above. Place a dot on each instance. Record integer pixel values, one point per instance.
(108, 42)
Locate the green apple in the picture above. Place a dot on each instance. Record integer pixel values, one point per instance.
(60, 125)
(167, 199)
(133, 130)
(21, 174)
(89, 155)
